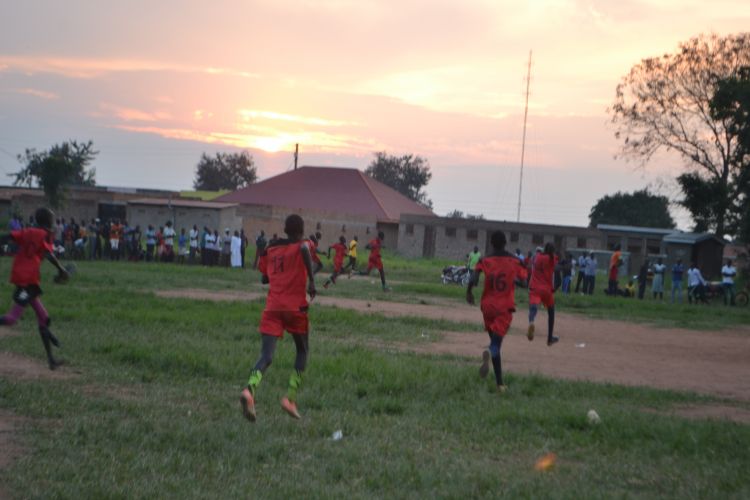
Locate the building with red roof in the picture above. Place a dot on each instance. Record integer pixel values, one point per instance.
(334, 201)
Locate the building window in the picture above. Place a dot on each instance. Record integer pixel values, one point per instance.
(513, 236)
(450, 232)
(472, 234)
(581, 243)
(537, 239)
(410, 229)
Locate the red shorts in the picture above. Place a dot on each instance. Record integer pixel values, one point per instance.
(497, 320)
(337, 266)
(376, 263)
(545, 297)
(275, 322)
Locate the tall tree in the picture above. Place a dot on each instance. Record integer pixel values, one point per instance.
(640, 208)
(663, 104)
(459, 214)
(406, 174)
(54, 170)
(225, 171)
(732, 104)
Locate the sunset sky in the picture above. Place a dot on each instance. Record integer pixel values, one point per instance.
(155, 83)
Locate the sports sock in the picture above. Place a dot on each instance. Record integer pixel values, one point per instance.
(496, 344)
(550, 322)
(295, 381)
(255, 377)
(532, 312)
(497, 366)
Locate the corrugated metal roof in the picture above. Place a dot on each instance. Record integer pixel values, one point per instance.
(634, 229)
(329, 189)
(690, 238)
(161, 202)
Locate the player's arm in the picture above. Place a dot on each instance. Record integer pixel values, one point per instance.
(62, 272)
(329, 253)
(307, 259)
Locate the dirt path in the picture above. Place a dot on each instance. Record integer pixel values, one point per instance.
(635, 354)
(10, 447)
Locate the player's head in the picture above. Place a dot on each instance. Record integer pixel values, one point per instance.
(549, 249)
(318, 236)
(729, 262)
(617, 247)
(381, 235)
(342, 240)
(356, 239)
(498, 241)
(294, 226)
(313, 238)
(476, 249)
(44, 217)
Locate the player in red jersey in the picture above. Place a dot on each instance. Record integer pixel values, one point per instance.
(501, 270)
(314, 252)
(286, 265)
(338, 260)
(375, 261)
(34, 244)
(541, 291)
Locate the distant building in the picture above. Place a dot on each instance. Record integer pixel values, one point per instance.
(334, 201)
(183, 214)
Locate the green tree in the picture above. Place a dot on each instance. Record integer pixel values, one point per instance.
(406, 174)
(640, 208)
(225, 171)
(55, 170)
(663, 104)
(731, 103)
(458, 214)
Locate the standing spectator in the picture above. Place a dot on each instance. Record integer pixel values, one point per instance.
(728, 272)
(243, 248)
(236, 250)
(567, 273)
(182, 247)
(614, 270)
(168, 234)
(260, 245)
(204, 247)
(210, 250)
(589, 274)
(581, 272)
(93, 238)
(193, 244)
(68, 239)
(115, 231)
(473, 258)
(677, 270)
(150, 243)
(519, 255)
(135, 244)
(696, 285)
(642, 280)
(658, 285)
(226, 248)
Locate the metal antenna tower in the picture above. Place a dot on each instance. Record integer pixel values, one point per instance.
(523, 142)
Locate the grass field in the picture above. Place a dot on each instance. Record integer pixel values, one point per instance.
(152, 409)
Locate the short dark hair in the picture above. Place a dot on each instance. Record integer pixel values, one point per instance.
(294, 225)
(381, 235)
(44, 217)
(498, 240)
(342, 240)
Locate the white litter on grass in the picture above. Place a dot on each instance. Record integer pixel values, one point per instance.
(337, 436)
(581, 345)
(424, 335)
(593, 417)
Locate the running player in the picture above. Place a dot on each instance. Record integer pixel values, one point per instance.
(314, 252)
(541, 291)
(34, 244)
(286, 265)
(501, 270)
(375, 262)
(352, 264)
(338, 260)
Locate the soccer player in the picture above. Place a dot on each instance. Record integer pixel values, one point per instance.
(541, 291)
(286, 265)
(501, 270)
(338, 260)
(352, 264)
(34, 244)
(314, 252)
(614, 269)
(375, 262)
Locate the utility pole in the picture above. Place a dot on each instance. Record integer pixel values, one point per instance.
(523, 142)
(296, 155)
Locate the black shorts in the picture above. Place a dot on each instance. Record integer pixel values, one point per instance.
(25, 294)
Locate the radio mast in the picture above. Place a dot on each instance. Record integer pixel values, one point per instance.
(523, 142)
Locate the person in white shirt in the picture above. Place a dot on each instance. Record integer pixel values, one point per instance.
(728, 272)
(581, 273)
(210, 247)
(658, 285)
(236, 247)
(168, 234)
(696, 285)
(193, 244)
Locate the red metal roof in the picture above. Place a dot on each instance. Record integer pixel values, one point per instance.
(345, 190)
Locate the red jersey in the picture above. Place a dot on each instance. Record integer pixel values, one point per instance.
(338, 257)
(33, 245)
(114, 231)
(375, 248)
(501, 272)
(542, 277)
(282, 262)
